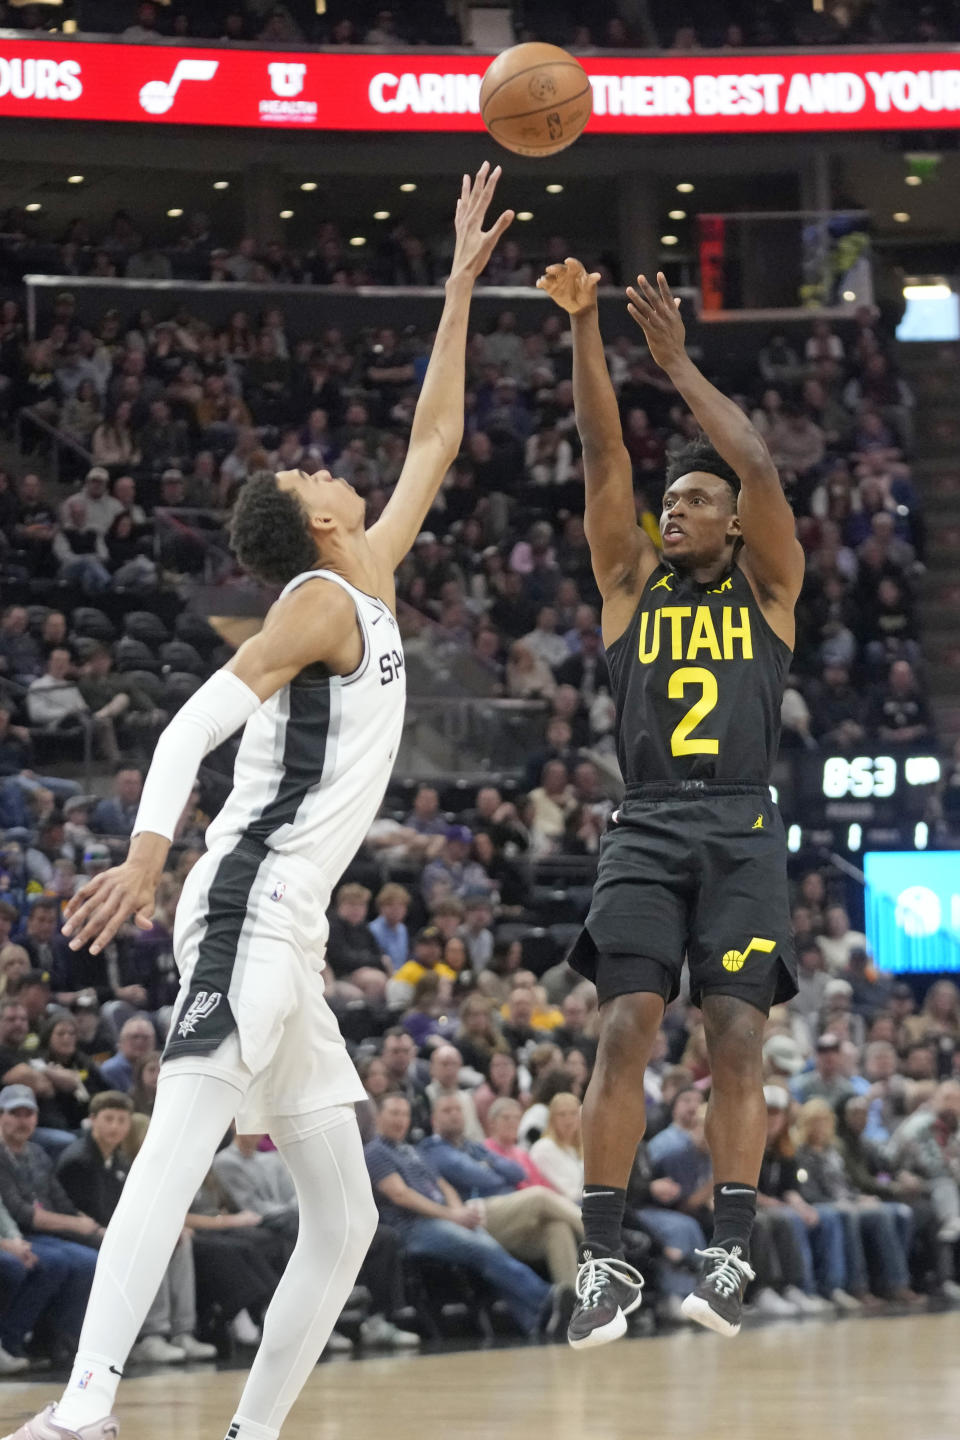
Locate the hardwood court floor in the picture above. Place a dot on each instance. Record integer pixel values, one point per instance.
(895, 1379)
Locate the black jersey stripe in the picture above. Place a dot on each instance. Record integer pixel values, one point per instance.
(305, 744)
(224, 917)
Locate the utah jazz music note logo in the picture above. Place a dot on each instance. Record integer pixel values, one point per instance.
(736, 959)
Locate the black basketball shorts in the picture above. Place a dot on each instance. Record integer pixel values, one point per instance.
(698, 871)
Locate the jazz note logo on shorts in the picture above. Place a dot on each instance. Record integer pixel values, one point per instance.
(201, 1007)
(736, 959)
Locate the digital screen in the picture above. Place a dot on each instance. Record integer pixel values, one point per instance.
(764, 92)
(913, 909)
(932, 313)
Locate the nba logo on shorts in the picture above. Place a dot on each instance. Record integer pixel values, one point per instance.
(85, 1379)
(279, 890)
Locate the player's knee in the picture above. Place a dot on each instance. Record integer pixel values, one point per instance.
(362, 1225)
(628, 1033)
(734, 1033)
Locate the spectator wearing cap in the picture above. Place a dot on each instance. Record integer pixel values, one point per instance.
(115, 817)
(782, 1059)
(453, 873)
(31, 1191)
(100, 508)
(838, 1005)
(427, 957)
(354, 957)
(827, 1080)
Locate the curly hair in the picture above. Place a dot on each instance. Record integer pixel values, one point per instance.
(701, 455)
(269, 531)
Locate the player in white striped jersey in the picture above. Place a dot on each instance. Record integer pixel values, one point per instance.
(320, 692)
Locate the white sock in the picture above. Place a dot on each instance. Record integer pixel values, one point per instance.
(338, 1217)
(191, 1116)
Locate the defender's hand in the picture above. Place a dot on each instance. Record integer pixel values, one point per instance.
(474, 245)
(656, 312)
(100, 907)
(570, 286)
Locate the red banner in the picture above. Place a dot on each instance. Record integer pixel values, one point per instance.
(682, 95)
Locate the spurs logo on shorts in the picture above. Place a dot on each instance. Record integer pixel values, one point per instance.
(201, 1007)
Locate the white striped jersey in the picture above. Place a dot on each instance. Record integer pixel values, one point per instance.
(315, 759)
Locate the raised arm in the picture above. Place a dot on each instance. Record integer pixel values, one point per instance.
(297, 632)
(438, 422)
(621, 554)
(773, 555)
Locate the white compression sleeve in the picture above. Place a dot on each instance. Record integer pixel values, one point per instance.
(219, 708)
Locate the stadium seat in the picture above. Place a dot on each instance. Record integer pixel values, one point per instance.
(177, 655)
(131, 654)
(144, 625)
(87, 620)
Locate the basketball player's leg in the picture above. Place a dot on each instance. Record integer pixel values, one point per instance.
(614, 1119)
(338, 1218)
(192, 1113)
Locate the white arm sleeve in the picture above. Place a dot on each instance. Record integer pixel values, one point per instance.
(218, 708)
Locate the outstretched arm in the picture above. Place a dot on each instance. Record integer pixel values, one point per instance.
(773, 553)
(438, 422)
(621, 554)
(296, 633)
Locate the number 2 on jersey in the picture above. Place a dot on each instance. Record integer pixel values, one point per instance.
(680, 741)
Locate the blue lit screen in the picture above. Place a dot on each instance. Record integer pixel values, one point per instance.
(913, 909)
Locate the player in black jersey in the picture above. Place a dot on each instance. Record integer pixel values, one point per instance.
(698, 643)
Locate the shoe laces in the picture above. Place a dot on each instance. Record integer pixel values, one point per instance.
(594, 1277)
(728, 1271)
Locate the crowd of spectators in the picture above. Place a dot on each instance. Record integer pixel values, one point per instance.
(580, 26)
(474, 1040)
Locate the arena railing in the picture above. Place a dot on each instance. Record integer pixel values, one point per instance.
(32, 431)
(313, 308)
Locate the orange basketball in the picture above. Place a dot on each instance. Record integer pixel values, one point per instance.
(535, 99)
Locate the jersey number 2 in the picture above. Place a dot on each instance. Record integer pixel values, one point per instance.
(680, 741)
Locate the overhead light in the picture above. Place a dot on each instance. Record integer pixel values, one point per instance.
(75, 179)
(677, 214)
(849, 295)
(921, 834)
(309, 185)
(668, 240)
(854, 837)
(175, 213)
(794, 839)
(685, 188)
(914, 179)
(358, 239)
(925, 292)
(901, 217)
(408, 187)
(286, 214)
(381, 214)
(554, 189)
(524, 214)
(34, 205)
(221, 184)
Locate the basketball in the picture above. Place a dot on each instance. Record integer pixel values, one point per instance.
(733, 960)
(535, 99)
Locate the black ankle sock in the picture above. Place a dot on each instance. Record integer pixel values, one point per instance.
(603, 1218)
(734, 1211)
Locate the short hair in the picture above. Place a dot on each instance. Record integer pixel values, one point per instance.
(501, 1105)
(269, 531)
(448, 906)
(701, 455)
(110, 1100)
(390, 892)
(353, 891)
(8, 911)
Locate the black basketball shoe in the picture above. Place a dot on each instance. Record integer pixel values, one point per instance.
(608, 1290)
(717, 1302)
